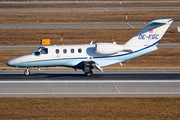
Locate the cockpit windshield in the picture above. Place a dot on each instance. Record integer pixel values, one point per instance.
(41, 50)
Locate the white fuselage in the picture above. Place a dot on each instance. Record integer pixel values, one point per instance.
(71, 55)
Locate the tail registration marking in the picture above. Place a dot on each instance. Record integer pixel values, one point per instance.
(149, 37)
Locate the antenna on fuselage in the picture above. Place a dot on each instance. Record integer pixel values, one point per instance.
(113, 41)
(91, 42)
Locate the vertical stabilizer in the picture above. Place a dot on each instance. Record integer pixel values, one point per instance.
(151, 33)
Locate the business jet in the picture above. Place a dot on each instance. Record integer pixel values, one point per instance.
(89, 56)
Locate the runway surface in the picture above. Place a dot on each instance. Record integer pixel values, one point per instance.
(70, 83)
(176, 46)
(89, 25)
(92, 9)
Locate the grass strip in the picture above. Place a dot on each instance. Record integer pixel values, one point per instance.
(75, 36)
(90, 108)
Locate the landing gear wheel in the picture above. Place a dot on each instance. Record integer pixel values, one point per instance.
(89, 73)
(27, 72)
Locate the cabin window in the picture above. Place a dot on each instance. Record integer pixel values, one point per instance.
(65, 51)
(72, 50)
(57, 51)
(79, 50)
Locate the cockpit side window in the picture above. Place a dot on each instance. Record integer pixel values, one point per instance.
(45, 51)
(38, 51)
(41, 50)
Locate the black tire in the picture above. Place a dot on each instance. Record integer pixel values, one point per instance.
(89, 73)
(27, 72)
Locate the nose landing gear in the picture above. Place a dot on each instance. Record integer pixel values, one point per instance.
(27, 72)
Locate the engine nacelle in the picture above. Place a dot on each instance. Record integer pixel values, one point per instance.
(108, 48)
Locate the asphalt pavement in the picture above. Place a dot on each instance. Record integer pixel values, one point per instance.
(70, 83)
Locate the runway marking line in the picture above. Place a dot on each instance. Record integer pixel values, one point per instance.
(121, 9)
(160, 93)
(96, 81)
(105, 9)
(130, 25)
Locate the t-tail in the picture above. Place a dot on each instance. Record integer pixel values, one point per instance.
(151, 34)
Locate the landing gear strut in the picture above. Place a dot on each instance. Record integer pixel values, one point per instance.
(27, 72)
(88, 69)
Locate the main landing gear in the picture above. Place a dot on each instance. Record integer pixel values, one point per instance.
(27, 72)
(88, 68)
(89, 73)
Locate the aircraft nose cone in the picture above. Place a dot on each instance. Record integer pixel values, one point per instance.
(9, 63)
(18, 62)
(12, 62)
